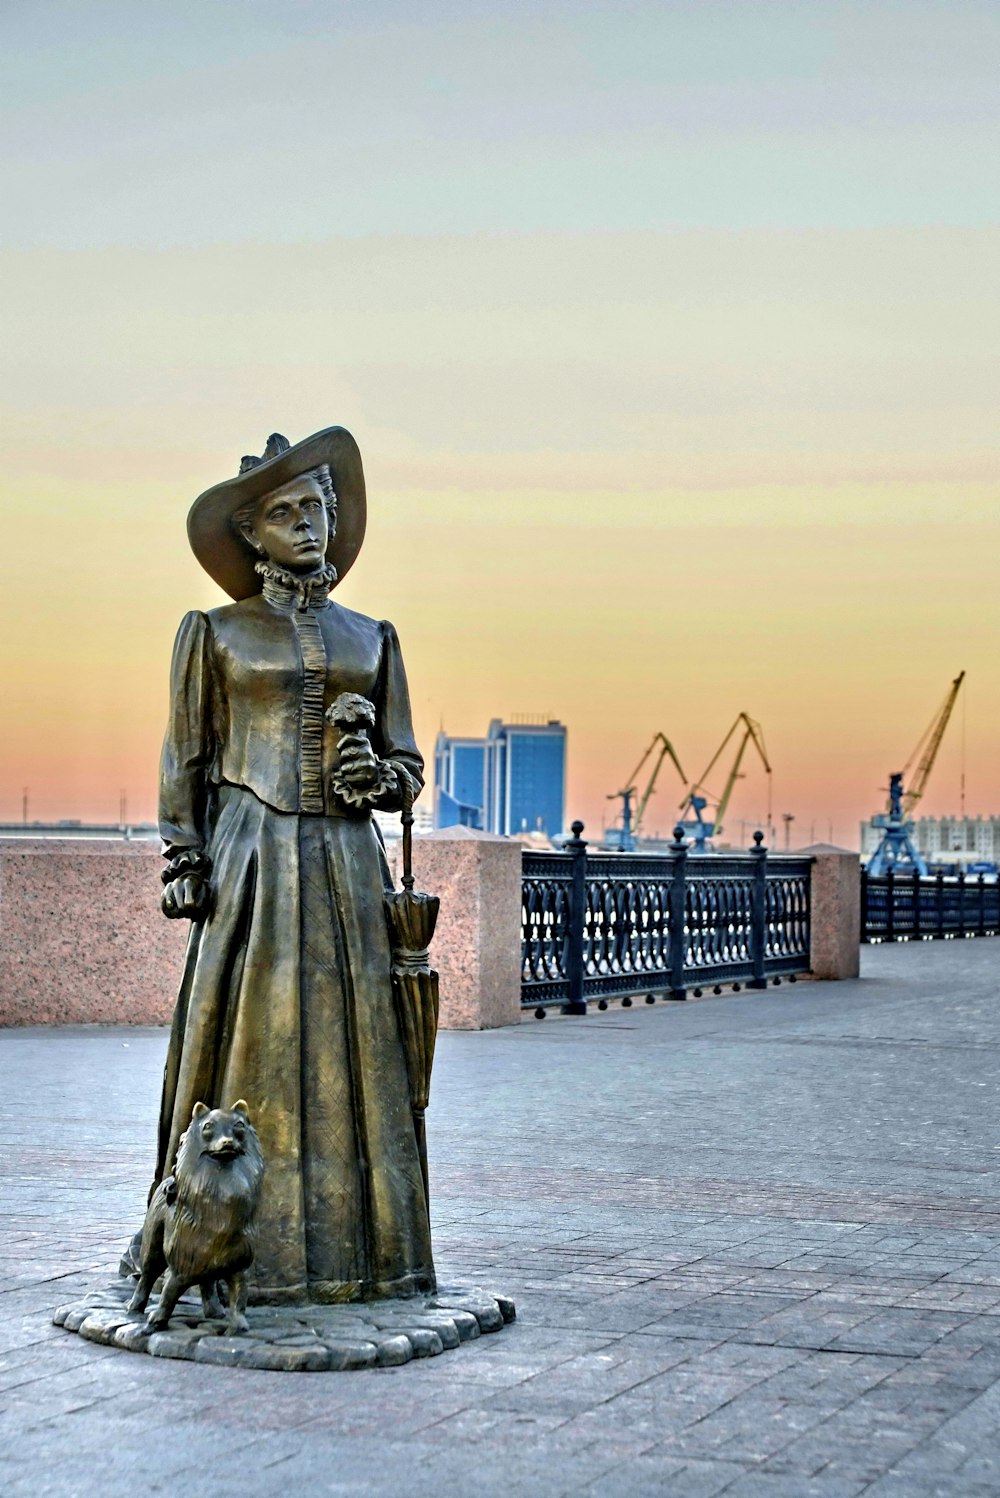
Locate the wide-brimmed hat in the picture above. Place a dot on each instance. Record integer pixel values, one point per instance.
(214, 540)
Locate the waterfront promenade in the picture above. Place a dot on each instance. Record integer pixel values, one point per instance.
(754, 1243)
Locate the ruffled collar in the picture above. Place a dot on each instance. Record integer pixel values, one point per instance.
(296, 590)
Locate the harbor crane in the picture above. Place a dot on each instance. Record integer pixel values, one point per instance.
(896, 849)
(700, 830)
(622, 839)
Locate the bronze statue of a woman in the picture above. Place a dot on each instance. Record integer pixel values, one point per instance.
(286, 998)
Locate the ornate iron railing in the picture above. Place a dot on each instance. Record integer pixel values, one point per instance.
(905, 907)
(601, 925)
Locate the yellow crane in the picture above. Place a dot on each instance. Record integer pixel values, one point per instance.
(698, 797)
(622, 839)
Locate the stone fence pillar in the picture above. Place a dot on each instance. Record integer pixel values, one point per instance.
(835, 912)
(82, 940)
(477, 945)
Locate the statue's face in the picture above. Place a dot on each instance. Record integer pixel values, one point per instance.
(293, 527)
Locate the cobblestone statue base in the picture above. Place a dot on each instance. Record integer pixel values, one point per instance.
(296, 1339)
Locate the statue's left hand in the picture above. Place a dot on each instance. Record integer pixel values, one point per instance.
(359, 767)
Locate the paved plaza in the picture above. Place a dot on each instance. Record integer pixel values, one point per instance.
(754, 1243)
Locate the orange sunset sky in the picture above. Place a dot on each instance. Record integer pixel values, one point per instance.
(668, 332)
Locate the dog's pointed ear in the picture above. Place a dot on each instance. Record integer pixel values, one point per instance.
(199, 1110)
(240, 1107)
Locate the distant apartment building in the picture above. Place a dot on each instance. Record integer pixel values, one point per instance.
(513, 780)
(966, 839)
(391, 826)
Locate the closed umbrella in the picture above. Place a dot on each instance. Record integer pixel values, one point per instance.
(412, 917)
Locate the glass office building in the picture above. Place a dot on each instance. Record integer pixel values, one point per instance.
(513, 780)
(459, 782)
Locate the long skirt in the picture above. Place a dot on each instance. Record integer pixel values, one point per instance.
(286, 1001)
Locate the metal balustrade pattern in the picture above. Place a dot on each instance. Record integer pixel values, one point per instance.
(596, 926)
(906, 907)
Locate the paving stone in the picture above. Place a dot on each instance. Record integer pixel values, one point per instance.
(466, 1325)
(133, 1337)
(176, 1342)
(392, 1351)
(696, 1479)
(899, 1486)
(74, 1317)
(349, 1353)
(426, 1342)
(100, 1326)
(640, 1476)
(230, 1352)
(776, 1485)
(443, 1327)
(770, 1265)
(487, 1312)
(289, 1359)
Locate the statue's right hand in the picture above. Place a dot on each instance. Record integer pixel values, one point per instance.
(186, 898)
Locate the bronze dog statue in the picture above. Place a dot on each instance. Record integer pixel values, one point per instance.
(201, 1224)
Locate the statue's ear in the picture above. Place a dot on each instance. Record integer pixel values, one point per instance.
(240, 1107)
(250, 537)
(199, 1110)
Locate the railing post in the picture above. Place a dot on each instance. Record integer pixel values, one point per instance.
(676, 913)
(758, 913)
(576, 847)
(890, 905)
(939, 892)
(961, 902)
(864, 903)
(916, 904)
(982, 906)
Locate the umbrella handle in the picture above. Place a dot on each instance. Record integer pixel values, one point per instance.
(406, 788)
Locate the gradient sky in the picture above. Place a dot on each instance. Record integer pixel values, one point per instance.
(669, 334)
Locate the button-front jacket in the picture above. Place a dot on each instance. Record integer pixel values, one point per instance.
(249, 686)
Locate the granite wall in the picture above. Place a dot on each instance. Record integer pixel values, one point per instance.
(82, 940)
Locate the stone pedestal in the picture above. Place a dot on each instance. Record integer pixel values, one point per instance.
(295, 1338)
(82, 940)
(835, 917)
(477, 945)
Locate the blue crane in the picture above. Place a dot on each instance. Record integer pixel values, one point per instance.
(896, 849)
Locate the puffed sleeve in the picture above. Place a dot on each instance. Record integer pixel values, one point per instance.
(188, 746)
(393, 736)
